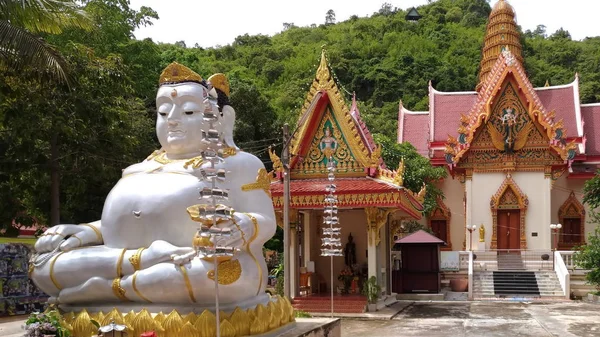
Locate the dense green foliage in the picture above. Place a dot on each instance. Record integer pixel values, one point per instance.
(85, 136)
(20, 20)
(588, 257)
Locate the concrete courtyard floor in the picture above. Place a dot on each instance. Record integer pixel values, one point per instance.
(486, 319)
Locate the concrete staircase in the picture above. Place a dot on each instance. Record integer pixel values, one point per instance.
(521, 284)
(510, 262)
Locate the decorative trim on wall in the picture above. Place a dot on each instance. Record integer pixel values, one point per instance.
(442, 212)
(572, 208)
(509, 196)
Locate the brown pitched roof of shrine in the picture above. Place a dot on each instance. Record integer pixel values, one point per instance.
(420, 236)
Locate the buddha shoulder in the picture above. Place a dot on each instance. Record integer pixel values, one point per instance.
(245, 160)
(144, 166)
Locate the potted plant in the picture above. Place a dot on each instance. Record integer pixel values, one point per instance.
(45, 324)
(346, 276)
(372, 290)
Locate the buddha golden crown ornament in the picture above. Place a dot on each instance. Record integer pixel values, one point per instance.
(176, 73)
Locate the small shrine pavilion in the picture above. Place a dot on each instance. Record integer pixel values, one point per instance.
(368, 193)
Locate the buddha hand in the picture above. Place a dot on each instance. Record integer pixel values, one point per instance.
(241, 229)
(67, 237)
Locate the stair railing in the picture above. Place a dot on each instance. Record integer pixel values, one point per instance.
(470, 280)
(562, 273)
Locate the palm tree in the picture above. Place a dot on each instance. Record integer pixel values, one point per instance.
(20, 23)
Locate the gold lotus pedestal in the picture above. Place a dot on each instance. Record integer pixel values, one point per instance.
(275, 317)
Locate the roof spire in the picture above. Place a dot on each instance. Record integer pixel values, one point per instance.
(547, 84)
(323, 74)
(501, 34)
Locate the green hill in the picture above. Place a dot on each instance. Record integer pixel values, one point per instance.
(67, 146)
(384, 58)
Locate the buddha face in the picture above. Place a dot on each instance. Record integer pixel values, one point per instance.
(179, 121)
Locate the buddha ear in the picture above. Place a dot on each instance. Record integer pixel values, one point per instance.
(228, 113)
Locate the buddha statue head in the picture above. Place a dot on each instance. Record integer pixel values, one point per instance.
(182, 98)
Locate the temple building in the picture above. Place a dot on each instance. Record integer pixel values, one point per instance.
(517, 156)
(368, 194)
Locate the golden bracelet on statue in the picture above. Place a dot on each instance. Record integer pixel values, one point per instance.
(96, 230)
(136, 259)
(120, 263)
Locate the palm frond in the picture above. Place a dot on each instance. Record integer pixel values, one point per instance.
(44, 16)
(20, 49)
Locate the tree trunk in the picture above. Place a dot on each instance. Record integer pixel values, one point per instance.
(54, 181)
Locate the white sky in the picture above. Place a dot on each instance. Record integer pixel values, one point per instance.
(211, 23)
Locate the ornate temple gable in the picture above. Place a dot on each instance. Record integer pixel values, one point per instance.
(328, 142)
(511, 139)
(324, 96)
(509, 196)
(507, 70)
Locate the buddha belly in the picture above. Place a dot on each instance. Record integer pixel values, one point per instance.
(143, 208)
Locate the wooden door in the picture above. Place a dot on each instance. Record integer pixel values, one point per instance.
(571, 231)
(509, 229)
(439, 229)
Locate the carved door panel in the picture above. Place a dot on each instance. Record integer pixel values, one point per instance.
(571, 231)
(509, 234)
(439, 229)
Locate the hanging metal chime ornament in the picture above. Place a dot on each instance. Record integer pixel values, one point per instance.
(206, 240)
(331, 242)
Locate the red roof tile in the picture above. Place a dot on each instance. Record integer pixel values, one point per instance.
(420, 236)
(591, 118)
(343, 186)
(414, 128)
(447, 108)
(562, 100)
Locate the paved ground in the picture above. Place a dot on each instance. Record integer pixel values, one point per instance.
(489, 319)
(486, 319)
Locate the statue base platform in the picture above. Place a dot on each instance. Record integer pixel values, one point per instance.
(272, 318)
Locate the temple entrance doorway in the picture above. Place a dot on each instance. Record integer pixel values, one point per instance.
(509, 231)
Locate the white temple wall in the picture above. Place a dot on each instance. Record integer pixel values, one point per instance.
(560, 193)
(533, 184)
(351, 221)
(454, 192)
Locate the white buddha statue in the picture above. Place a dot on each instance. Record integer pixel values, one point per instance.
(140, 253)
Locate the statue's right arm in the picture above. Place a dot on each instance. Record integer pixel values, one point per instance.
(69, 237)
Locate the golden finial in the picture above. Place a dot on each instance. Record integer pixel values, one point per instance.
(177, 73)
(547, 84)
(399, 178)
(375, 156)
(220, 82)
(323, 74)
(421, 195)
(277, 165)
